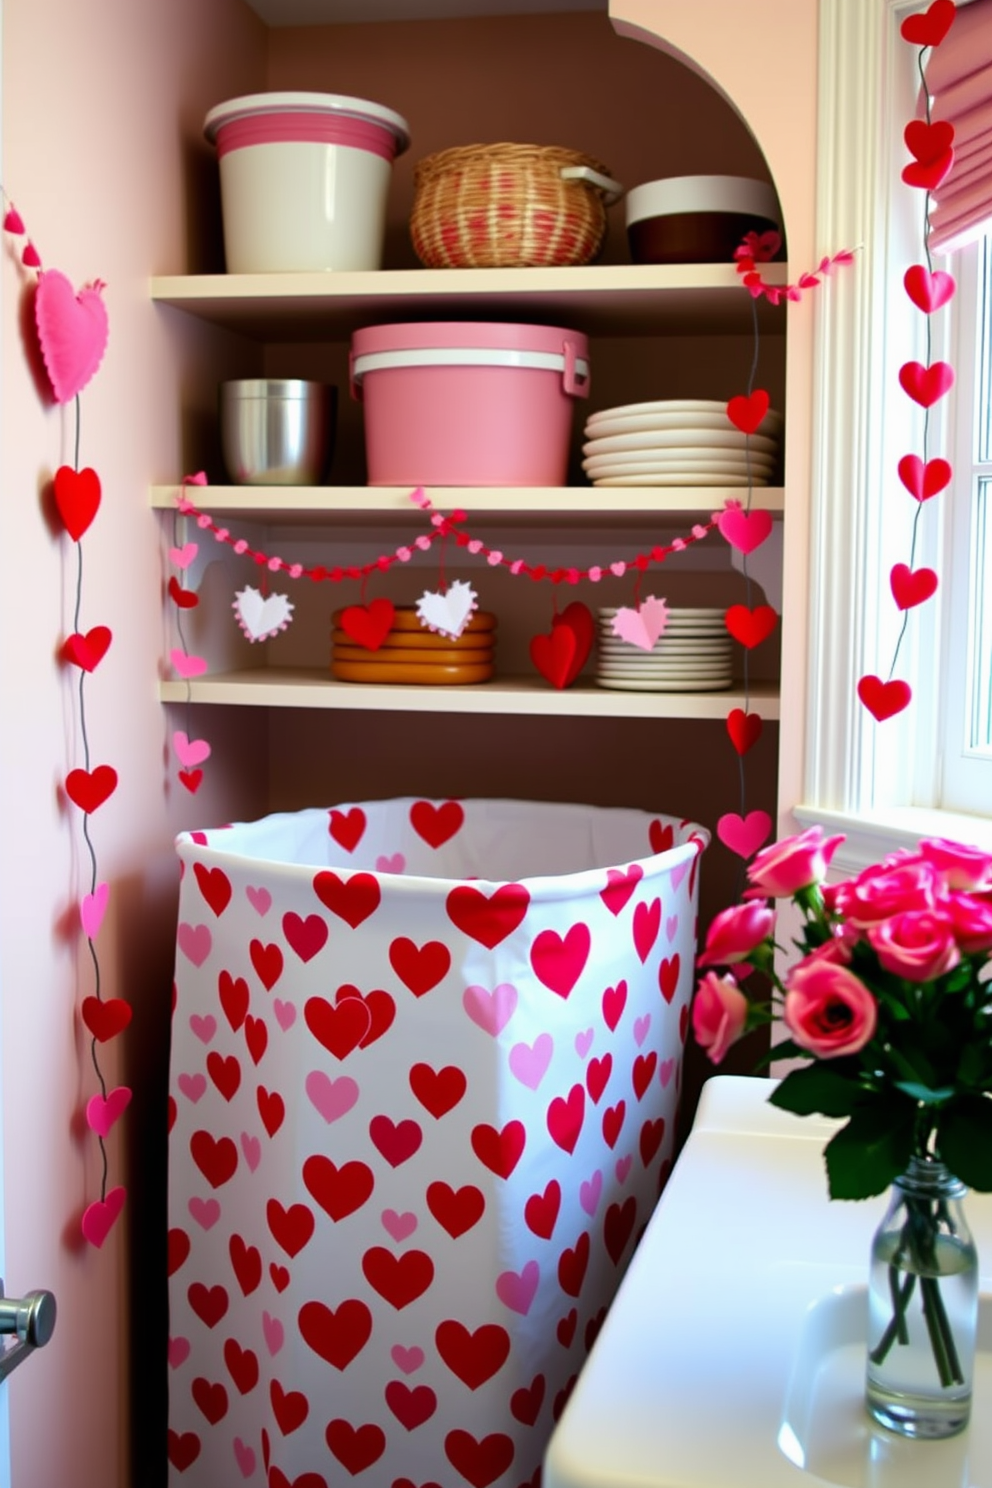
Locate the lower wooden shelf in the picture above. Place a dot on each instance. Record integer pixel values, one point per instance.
(312, 688)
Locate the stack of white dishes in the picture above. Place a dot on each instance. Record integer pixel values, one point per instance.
(679, 442)
(694, 653)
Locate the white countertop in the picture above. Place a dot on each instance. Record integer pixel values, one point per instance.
(711, 1371)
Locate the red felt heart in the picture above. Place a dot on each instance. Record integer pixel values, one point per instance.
(72, 330)
(928, 176)
(750, 627)
(747, 412)
(184, 598)
(744, 729)
(924, 480)
(191, 779)
(931, 26)
(88, 789)
(105, 1018)
(927, 143)
(368, 625)
(77, 496)
(884, 699)
(925, 385)
(578, 618)
(911, 587)
(554, 655)
(928, 291)
(87, 651)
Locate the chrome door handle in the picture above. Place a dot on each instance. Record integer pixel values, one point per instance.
(30, 1321)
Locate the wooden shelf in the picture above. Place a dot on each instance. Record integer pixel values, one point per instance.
(312, 688)
(600, 299)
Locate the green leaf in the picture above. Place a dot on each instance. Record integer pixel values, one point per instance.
(964, 1140)
(924, 1093)
(816, 1089)
(872, 1150)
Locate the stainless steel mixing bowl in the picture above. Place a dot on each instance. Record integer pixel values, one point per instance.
(277, 431)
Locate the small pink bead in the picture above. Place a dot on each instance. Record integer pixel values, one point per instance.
(404, 555)
(241, 546)
(423, 543)
(594, 575)
(274, 565)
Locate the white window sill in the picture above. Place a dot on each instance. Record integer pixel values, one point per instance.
(871, 835)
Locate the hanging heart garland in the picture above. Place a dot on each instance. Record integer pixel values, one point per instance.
(191, 753)
(760, 248)
(931, 145)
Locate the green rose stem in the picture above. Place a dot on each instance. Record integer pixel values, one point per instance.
(918, 1238)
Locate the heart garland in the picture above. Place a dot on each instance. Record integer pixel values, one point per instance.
(191, 753)
(760, 248)
(72, 333)
(931, 145)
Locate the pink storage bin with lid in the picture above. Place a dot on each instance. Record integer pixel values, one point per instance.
(450, 403)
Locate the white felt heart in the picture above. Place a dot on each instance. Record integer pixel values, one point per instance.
(643, 626)
(450, 612)
(261, 616)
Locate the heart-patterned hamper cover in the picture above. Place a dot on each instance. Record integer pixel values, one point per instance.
(424, 1074)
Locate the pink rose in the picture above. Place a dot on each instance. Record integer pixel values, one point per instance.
(885, 890)
(793, 864)
(972, 922)
(962, 867)
(735, 932)
(919, 945)
(719, 1013)
(827, 1009)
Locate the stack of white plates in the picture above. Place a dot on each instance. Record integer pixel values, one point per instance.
(679, 442)
(694, 653)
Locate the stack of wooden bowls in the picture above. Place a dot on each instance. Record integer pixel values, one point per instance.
(410, 653)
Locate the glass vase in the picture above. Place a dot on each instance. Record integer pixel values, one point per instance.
(922, 1306)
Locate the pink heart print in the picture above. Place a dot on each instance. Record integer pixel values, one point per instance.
(517, 1290)
(72, 330)
(490, 1010)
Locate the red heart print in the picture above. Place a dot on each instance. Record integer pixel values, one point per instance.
(347, 827)
(565, 1116)
(566, 1328)
(307, 937)
(456, 1210)
(242, 1366)
(928, 177)
(409, 1483)
(746, 412)
(439, 1091)
(647, 923)
(436, 824)
(744, 729)
(338, 1191)
(210, 1399)
(381, 1009)
(487, 918)
(928, 142)
(77, 496)
(541, 1210)
(614, 1002)
(191, 779)
(355, 1447)
(911, 588)
(554, 655)
(184, 599)
(929, 28)
(339, 1028)
(473, 1357)
(499, 1151)
(558, 961)
(256, 1037)
(928, 291)
(290, 1228)
(925, 385)
(525, 1403)
(668, 977)
(173, 1110)
(577, 617)
(214, 885)
(652, 1135)
(400, 1280)
(560, 1402)
(271, 1108)
(620, 885)
(593, 1327)
(268, 963)
(234, 998)
(178, 1248)
(216, 1160)
(105, 1017)
(87, 651)
(280, 1276)
(748, 626)
(88, 789)
(72, 330)
(225, 1072)
(420, 968)
(247, 1263)
(368, 625)
(396, 1141)
(209, 1303)
(572, 1265)
(183, 1449)
(924, 480)
(598, 1073)
(661, 836)
(352, 899)
(278, 1479)
(411, 1406)
(338, 1335)
(884, 699)
(613, 1118)
(683, 1030)
(618, 1226)
(479, 1462)
(290, 1408)
(642, 1072)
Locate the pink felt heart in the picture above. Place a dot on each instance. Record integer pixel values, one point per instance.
(101, 1113)
(187, 666)
(911, 588)
(927, 291)
(92, 908)
(99, 1217)
(746, 413)
(643, 626)
(884, 699)
(745, 531)
(926, 384)
(190, 752)
(183, 557)
(13, 221)
(924, 480)
(72, 330)
(744, 835)
(930, 27)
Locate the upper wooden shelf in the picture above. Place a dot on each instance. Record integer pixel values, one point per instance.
(600, 299)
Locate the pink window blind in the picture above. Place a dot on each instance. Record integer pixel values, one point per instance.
(959, 80)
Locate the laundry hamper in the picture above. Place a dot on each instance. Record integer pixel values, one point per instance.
(425, 1065)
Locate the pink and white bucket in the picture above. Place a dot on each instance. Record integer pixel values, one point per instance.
(425, 1065)
(304, 180)
(451, 403)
